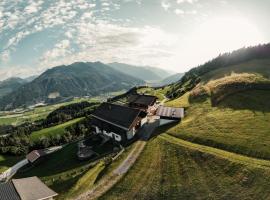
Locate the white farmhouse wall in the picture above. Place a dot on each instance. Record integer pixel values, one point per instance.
(131, 133)
(97, 130)
(143, 121)
(111, 134)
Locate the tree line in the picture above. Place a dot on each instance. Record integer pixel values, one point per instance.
(18, 142)
(192, 77)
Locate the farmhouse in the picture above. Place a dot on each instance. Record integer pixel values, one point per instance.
(117, 121)
(31, 188)
(141, 101)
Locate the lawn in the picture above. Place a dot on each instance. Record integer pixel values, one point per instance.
(68, 176)
(55, 130)
(62, 170)
(240, 124)
(8, 161)
(167, 170)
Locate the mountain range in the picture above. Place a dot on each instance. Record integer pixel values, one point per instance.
(145, 73)
(11, 84)
(77, 79)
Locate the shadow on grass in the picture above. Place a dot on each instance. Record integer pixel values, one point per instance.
(163, 128)
(253, 100)
(58, 162)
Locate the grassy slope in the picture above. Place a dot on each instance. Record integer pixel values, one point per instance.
(8, 161)
(240, 124)
(254, 66)
(68, 176)
(156, 92)
(167, 170)
(59, 129)
(60, 170)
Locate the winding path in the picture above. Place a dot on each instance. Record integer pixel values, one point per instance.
(111, 179)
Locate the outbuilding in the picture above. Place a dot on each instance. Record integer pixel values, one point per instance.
(170, 113)
(31, 188)
(141, 101)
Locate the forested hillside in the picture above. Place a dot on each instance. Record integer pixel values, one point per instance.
(78, 79)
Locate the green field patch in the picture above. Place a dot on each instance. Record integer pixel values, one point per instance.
(240, 124)
(182, 101)
(159, 93)
(171, 171)
(60, 170)
(8, 161)
(85, 182)
(52, 131)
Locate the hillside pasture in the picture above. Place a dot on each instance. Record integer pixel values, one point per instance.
(240, 124)
(167, 170)
(8, 161)
(62, 170)
(261, 67)
(52, 131)
(159, 93)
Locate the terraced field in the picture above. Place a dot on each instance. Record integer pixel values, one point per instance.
(169, 170)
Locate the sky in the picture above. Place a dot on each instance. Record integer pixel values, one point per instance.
(175, 35)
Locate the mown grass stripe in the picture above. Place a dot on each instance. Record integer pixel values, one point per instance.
(218, 152)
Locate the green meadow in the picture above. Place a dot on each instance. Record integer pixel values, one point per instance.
(52, 131)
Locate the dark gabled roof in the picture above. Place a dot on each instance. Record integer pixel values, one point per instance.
(34, 155)
(8, 192)
(32, 188)
(118, 115)
(142, 99)
(170, 112)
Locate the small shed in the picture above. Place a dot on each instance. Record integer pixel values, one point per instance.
(35, 155)
(170, 113)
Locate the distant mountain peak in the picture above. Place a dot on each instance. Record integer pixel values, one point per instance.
(146, 73)
(77, 79)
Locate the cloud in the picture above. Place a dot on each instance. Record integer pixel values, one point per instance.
(82, 32)
(5, 56)
(109, 42)
(61, 49)
(165, 5)
(179, 12)
(33, 7)
(186, 1)
(182, 12)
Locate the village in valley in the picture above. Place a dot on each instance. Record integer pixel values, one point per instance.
(116, 124)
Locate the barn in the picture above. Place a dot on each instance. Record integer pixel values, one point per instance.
(141, 101)
(118, 121)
